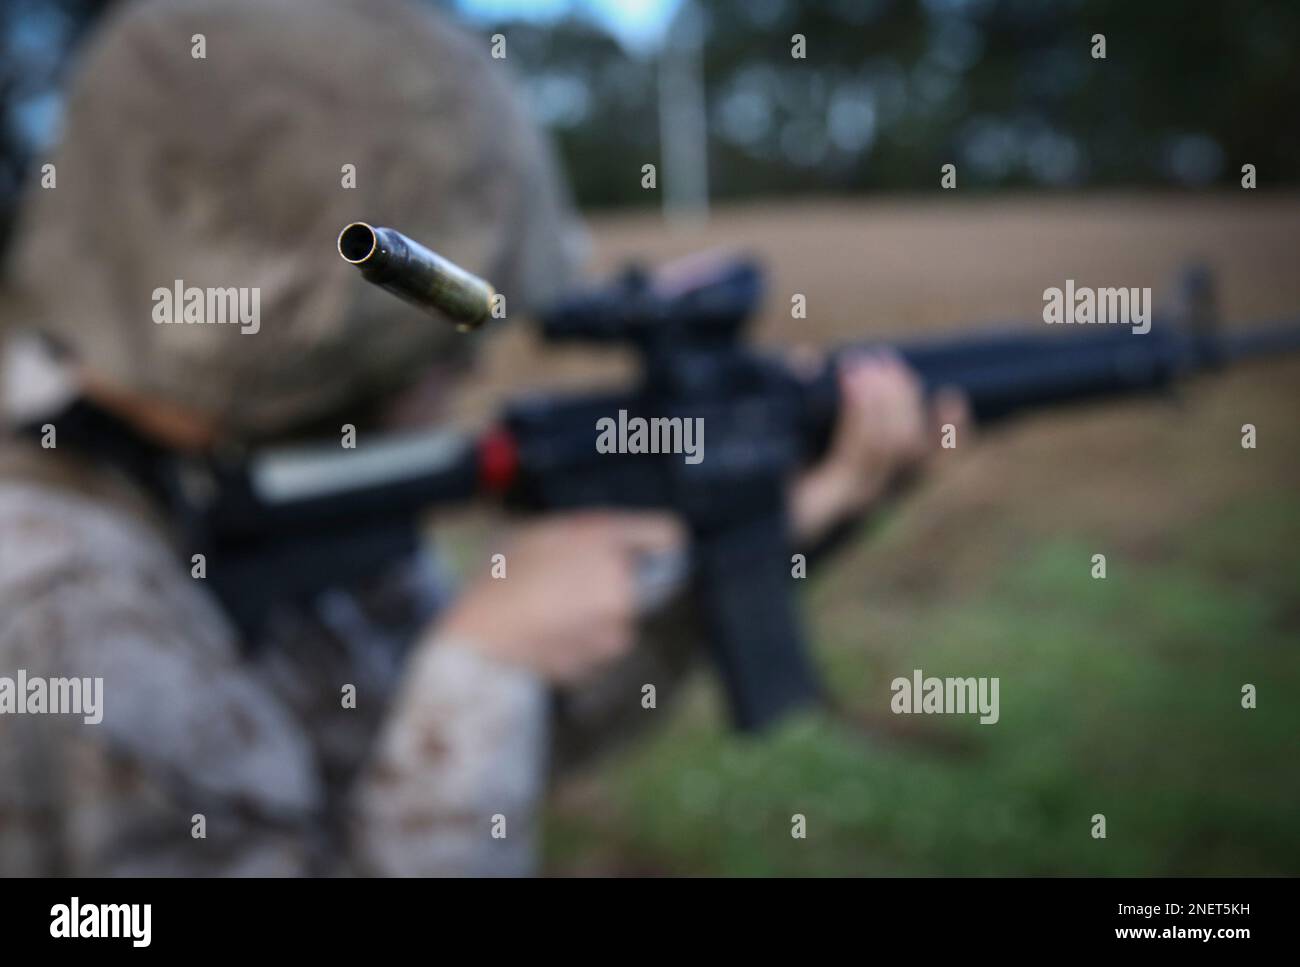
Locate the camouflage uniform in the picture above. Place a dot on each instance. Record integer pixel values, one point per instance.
(221, 171)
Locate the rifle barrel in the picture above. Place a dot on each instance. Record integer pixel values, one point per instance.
(1262, 340)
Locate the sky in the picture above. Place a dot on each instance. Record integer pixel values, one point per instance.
(639, 24)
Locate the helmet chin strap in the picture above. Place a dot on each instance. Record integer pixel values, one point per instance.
(35, 382)
(169, 424)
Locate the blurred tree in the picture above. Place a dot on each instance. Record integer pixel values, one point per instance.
(888, 92)
(598, 101)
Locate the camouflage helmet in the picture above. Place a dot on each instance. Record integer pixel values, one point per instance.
(224, 143)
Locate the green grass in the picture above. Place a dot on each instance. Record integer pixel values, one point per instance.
(1120, 697)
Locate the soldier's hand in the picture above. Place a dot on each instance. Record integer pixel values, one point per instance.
(885, 430)
(567, 603)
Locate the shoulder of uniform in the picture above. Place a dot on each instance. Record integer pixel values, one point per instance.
(87, 592)
(48, 534)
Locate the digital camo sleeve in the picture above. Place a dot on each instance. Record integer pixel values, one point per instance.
(195, 767)
(456, 781)
(176, 762)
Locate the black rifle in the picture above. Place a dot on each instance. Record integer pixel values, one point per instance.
(288, 522)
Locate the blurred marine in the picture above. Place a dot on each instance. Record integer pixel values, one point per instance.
(383, 726)
(227, 171)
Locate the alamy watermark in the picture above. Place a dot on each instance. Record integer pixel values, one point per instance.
(655, 435)
(33, 695)
(1087, 306)
(212, 306)
(75, 920)
(951, 696)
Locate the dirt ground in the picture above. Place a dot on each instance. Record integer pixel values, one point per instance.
(901, 266)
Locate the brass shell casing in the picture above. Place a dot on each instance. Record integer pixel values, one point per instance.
(417, 275)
